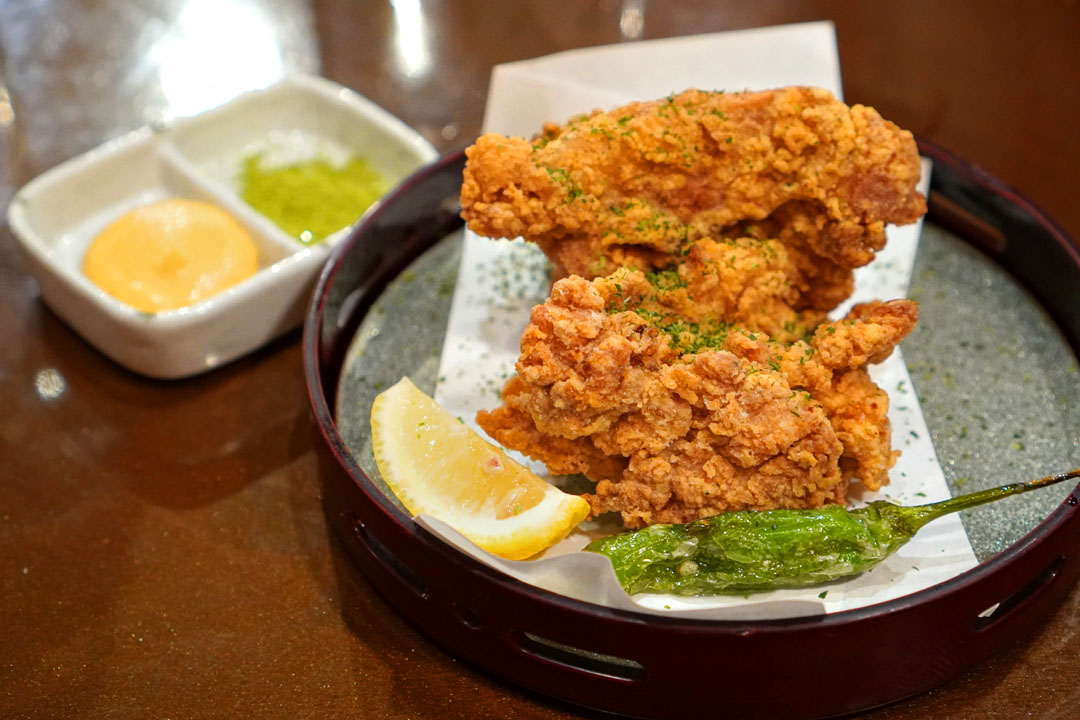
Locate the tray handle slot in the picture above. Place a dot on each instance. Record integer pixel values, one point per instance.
(1035, 587)
(579, 659)
(388, 560)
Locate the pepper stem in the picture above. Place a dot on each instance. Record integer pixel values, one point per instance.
(932, 511)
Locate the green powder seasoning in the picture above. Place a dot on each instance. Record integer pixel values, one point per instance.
(312, 199)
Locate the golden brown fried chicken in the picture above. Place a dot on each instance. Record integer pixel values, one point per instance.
(745, 281)
(678, 419)
(701, 376)
(635, 186)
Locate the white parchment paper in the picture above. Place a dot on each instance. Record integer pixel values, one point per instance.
(500, 281)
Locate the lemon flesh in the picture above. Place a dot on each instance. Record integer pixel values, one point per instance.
(439, 467)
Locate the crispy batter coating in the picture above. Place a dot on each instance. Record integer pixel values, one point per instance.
(753, 283)
(636, 185)
(677, 419)
(695, 373)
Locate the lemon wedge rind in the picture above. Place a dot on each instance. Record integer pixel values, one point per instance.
(437, 466)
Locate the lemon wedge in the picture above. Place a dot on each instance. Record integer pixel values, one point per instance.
(439, 467)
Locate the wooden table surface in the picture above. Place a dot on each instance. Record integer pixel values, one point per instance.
(163, 551)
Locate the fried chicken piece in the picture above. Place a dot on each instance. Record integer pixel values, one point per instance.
(857, 408)
(753, 283)
(636, 185)
(858, 411)
(822, 283)
(679, 420)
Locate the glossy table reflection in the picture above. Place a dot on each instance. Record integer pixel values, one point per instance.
(162, 547)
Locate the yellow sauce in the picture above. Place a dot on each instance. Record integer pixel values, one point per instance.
(170, 254)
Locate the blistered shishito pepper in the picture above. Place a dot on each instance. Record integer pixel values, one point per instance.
(739, 553)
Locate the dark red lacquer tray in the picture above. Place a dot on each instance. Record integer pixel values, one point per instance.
(654, 667)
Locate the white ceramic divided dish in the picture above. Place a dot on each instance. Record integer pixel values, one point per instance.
(57, 215)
